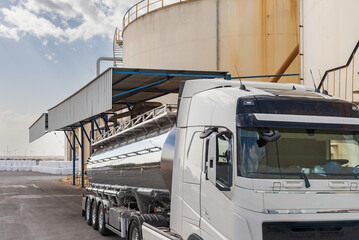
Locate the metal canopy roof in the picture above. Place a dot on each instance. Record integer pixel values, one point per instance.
(118, 88)
(38, 128)
(130, 86)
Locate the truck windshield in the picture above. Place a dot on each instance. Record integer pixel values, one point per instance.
(316, 153)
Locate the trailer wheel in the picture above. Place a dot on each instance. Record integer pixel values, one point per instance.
(101, 221)
(94, 211)
(135, 232)
(88, 212)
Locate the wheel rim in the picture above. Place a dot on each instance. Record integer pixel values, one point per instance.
(100, 218)
(88, 209)
(94, 213)
(134, 235)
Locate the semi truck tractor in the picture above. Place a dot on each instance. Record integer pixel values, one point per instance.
(233, 160)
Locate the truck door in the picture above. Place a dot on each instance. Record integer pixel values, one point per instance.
(216, 182)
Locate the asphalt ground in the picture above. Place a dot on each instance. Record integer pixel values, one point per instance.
(37, 206)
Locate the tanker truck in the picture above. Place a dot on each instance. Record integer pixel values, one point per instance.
(233, 160)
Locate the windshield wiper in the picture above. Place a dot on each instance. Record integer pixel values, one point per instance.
(300, 174)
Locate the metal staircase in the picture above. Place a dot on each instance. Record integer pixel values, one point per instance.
(343, 81)
(117, 48)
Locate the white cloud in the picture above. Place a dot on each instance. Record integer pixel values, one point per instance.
(66, 20)
(48, 56)
(45, 42)
(25, 21)
(51, 57)
(7, 32)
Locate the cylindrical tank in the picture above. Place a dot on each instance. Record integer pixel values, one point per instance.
(144, 164)
(256, 37)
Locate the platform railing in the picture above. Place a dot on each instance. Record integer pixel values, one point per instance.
(136, 121)
(144, 7)
(343, 81)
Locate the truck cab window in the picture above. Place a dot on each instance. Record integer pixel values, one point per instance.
(317, 153)
(224, 159)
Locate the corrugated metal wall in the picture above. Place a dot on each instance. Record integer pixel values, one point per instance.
(94, 98)
(38, 129)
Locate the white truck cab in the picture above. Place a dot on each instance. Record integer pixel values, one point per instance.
(302, 183)
(258, 161)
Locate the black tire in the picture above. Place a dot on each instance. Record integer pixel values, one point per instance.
(83, 211)
(101, 221)
(94, 210)
(135, 232)
(88, 213)
(194, 236)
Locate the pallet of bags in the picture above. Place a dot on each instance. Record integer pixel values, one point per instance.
(67, 171)
(2, 165)
(13, 165)
(8, 165)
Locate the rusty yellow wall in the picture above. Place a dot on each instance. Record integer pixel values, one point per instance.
(255, 35)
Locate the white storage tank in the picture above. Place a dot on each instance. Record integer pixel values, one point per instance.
(255, 36)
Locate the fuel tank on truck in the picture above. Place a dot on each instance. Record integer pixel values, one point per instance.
(144, 162)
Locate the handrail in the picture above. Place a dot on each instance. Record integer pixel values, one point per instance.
(341, 67)
(267, 76)
(138, 10)
(117, 48)
(137, 120)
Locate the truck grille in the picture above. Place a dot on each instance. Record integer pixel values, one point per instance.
(339, 230)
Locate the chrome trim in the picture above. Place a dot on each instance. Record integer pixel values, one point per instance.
(308, 211)
(306, 119)
(305, 192)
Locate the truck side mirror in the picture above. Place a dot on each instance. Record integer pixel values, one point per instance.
(206, 133)
(267, 136)
(211, 158)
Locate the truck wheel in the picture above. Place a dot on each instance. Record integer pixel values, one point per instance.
(101, 221)
(194, 236)
(88, 212)
(135, 231)
(94, 215)
(83, 209)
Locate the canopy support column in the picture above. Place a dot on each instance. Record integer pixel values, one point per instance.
(82, 155)
(98, 128)
(92, 135)
(73, 158)
(68, 139)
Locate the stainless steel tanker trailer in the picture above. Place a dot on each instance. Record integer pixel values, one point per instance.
(233, 161)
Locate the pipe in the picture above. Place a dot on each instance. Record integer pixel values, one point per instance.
(286, 64)
(105, 59)
(301, 39)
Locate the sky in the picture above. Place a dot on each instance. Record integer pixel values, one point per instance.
(48, 50)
